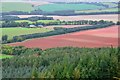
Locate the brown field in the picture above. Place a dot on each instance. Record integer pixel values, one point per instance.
(108, 17)
(65, 26)
(92, 38)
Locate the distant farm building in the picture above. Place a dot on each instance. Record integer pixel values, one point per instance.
(40, 26)
(32, 26)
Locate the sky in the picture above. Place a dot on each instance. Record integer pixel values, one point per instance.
(63, 0)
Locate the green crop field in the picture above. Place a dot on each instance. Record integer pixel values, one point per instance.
(42, 21)
(15, 6)
(22, 31)
(3, 56)
(101, 10)
(60, 7)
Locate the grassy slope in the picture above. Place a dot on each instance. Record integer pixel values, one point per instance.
(22, 31)
(58, 7)
(16, 6)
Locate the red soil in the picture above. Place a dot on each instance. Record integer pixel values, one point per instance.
(92, 38)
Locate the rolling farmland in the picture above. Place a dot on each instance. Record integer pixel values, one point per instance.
(92, 38)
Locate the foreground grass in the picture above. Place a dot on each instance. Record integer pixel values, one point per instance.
(22, 31)
(66, 62)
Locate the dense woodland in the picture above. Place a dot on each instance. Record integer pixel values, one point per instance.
(67, 62)
(58, 31)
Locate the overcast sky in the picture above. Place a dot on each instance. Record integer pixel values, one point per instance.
(64, 0)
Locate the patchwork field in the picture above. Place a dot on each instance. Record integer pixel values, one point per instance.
(92, 38)
(22, 31)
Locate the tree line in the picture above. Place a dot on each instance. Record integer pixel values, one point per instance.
(56, 31)
(61, 63)
(59, 13)
(34, 18)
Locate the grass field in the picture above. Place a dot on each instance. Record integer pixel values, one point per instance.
(60, 7)
(3, 56)
(16, 6)
(101, 10)
(22, 31)
(42, 21)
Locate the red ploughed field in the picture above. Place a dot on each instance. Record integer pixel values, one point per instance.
(104, 37)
